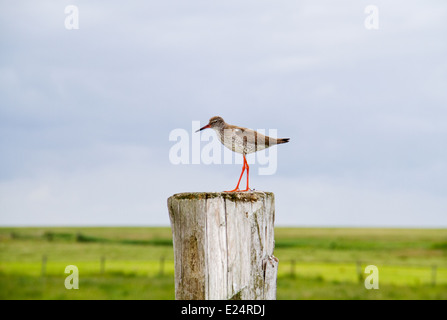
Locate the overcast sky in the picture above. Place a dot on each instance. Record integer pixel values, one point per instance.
(86, 114)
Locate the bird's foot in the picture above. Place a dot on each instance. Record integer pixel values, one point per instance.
(238, 190)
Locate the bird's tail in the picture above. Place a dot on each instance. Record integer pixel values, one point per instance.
(283, 140)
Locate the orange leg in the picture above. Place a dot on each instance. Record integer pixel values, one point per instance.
(245, 166)
(248, 169)
(237, 187)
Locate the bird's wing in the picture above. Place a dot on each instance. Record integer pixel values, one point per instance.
(253, 137)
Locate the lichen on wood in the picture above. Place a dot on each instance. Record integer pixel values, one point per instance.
(251, 196)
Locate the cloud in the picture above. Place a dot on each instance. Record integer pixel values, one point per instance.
(85, 115)
(120, 194)
(324, 202)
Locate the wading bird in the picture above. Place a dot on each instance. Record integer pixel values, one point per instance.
(241, 140)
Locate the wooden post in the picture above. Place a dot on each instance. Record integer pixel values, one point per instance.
(223, 245)
(359, 271)
(433, 275)
(102, 265)
(292, 268)
(44, 265)
(162, 265)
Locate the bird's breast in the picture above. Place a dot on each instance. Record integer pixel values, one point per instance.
(239, 142)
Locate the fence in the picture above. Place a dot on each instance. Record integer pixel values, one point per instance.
(340, 271)
(354, 271)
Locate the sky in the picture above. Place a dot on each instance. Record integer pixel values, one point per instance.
(86, 114)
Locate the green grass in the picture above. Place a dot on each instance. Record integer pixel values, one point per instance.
(109, 286)
(309, 288)
(138, 263)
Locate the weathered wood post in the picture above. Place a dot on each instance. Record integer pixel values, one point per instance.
(223, 245)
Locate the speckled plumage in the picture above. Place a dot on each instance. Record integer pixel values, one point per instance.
(241, 140)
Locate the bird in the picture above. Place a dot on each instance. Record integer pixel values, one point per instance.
(241, 140)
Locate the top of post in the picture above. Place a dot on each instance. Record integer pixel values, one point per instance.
(251, 196)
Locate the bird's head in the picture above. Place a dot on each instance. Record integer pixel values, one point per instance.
(215, 123)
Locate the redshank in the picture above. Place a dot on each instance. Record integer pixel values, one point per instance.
(241, 140)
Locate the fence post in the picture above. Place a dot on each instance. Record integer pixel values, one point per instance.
(359, 271)
(433, 275)
(162, 265)
(292, 268)
(223, 245)
(44, 265)
(102, 265)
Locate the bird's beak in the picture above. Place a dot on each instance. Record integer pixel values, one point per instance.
(205, 127)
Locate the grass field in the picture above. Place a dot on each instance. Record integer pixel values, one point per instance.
(137, 263)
